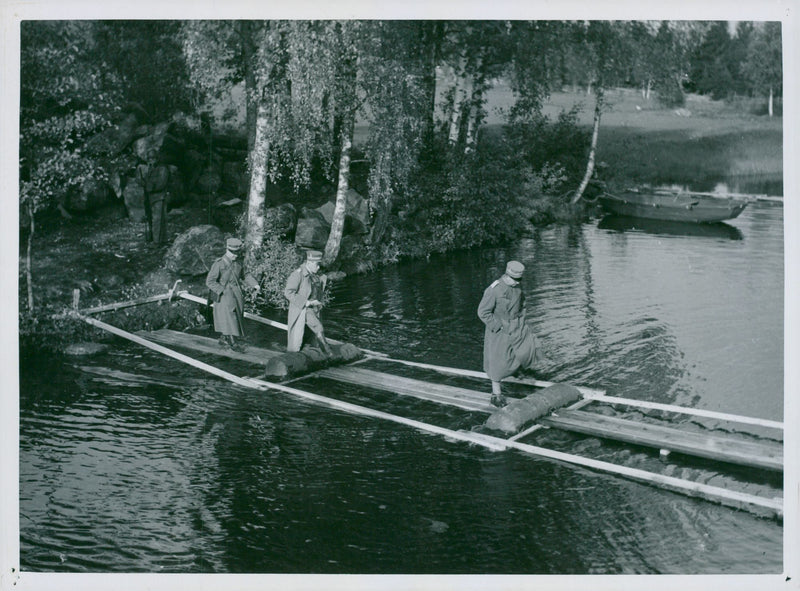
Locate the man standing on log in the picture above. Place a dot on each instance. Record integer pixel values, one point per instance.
(304, 290)
(508, 342)
(225, 280)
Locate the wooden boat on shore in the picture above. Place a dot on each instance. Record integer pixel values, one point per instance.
(676, 206)
(764, 454)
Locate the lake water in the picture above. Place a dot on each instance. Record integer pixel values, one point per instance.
(131, 463)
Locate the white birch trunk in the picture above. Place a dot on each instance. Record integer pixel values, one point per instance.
(258, 179)
(459, 98)
(472, 122)
(340, 209)
(770, 101)
(598, 108)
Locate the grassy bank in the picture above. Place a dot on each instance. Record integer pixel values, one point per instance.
(704, 143)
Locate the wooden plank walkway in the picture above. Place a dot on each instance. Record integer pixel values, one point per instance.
(461, 397)
(762, 454)
(255, 355)
(758, 454)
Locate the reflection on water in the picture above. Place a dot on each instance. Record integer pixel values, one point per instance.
(712, 230)
(135, 464)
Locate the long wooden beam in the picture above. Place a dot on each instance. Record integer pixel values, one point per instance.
(128, 304)
(718, 494)
(684, 410)
(758, 454)
(724, 496)
(595, 395)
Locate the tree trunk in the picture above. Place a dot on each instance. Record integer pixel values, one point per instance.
(770, 101)
(431, 33)
(28, 258)
(459, 98)
(598, 108)
(254, 234)
(380, 202)
(472, 123)
(251, 105)
(340, 209)
(679, 85)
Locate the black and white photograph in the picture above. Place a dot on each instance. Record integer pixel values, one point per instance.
(426, 297)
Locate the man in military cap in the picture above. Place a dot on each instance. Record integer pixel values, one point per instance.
(226, 280)
(304, 290)
(508, 342)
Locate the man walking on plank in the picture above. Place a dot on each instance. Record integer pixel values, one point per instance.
(304, 290)
(225, 279)
(508, 342)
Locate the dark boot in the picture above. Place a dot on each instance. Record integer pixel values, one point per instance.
(326, 348)
(499, 400)
(223, 342)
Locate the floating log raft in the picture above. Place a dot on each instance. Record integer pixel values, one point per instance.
(518, 413)
(448, 395)
(443, 394)
(295, 363)
(758, 454)
(255, 355)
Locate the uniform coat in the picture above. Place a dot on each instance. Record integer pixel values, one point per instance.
(225, 280)
(302, 286)
(508, 342)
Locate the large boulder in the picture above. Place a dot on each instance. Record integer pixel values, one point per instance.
(281, 220)
(356, 219)
(192, 165)
(209, 181)
(234, 179)
(195, 250)
(312, 232)
(115, 139)
(92, 195)
(175, 193)
(159, 145)
(85, 349)
(133, 196)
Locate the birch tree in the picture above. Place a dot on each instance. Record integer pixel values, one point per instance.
(763, 65)
(605, 42)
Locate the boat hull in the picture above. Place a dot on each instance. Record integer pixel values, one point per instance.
(675, 207)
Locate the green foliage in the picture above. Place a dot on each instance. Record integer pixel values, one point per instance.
(271, 264)
(482, 198)
(64, 101)
(764, 63)
(712, 72)
(547, 146)
(75, 76)
(146, 58)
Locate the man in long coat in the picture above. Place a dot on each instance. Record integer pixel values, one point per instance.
(304, 290)
(226, 279)
(508, 344)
